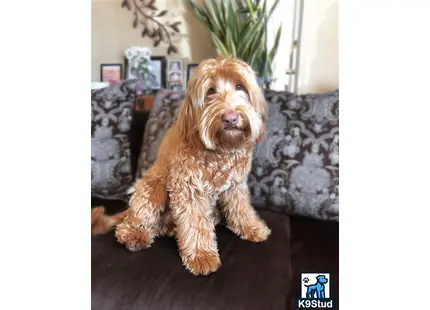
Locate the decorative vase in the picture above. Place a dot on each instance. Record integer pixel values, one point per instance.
(146, 85)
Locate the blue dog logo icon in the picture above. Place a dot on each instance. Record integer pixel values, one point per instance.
(316, 290)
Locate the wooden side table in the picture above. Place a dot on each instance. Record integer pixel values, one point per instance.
(144, 102)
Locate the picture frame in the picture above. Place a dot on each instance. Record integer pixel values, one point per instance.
(127, 72)
(111, 72)
(159, 64)
(175, 74)
(190, 70)
(175, 71)
(176, 87)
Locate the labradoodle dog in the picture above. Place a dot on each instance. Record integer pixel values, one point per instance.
(201, 170)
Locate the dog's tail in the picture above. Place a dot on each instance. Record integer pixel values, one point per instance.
(102, 223)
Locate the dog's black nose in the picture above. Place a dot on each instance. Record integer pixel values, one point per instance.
(230, 119)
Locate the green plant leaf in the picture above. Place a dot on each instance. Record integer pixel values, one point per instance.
(212, 13)
(250, 7)
(217, 9)
(275, 44)
(200, 14)
(258, 40)
(224, 11)
(245, 27)
(257, 54)
(221, 49)
(232, 21)
(230, 43)
(263, 9)
(275, 4)
(246, 39)
(241, 6)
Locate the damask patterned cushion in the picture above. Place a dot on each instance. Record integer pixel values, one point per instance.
(111, 113)
(296, 168)
(163, 114)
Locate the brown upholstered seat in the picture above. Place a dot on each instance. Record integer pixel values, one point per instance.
(252, 276)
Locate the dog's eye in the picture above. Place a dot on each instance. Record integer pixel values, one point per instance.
(239, 87)
(211, 91)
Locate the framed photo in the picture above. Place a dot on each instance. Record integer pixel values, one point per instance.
(175, 78)
(128, 74)
(190, 71)
(159, 69)
(110, 72)
(174, 71)
(177, 86)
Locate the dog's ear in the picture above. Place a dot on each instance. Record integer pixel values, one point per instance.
(258, 100)
(187, 120)
(186, 123)
(185, 116)
(263, 134)
(256, 97)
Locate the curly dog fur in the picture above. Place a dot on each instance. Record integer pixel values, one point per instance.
(201, 170)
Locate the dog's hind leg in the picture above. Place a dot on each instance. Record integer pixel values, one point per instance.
(102, 223)
(143, 222)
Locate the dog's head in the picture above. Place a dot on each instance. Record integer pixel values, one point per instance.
(322, 279)
(224, 106)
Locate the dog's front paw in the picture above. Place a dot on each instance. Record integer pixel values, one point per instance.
(258, 233)
(134, 239)
(203, 262)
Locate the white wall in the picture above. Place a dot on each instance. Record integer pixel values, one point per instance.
(284, 15)
(319, 55)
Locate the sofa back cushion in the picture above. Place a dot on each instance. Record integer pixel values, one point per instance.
(163, 114)
(295, 168)
(111, 114)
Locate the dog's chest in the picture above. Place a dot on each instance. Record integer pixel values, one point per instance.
(222, 173)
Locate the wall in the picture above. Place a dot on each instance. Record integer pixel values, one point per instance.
(112, 33)
(284, 15)
(319, 56)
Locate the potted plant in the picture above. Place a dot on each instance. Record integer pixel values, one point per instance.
(238, 29)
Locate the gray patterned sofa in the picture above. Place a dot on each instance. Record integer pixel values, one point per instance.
(295, 187)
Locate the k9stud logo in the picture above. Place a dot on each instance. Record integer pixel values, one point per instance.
(315, 292)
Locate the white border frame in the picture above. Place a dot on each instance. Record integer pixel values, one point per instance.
(384, 203)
